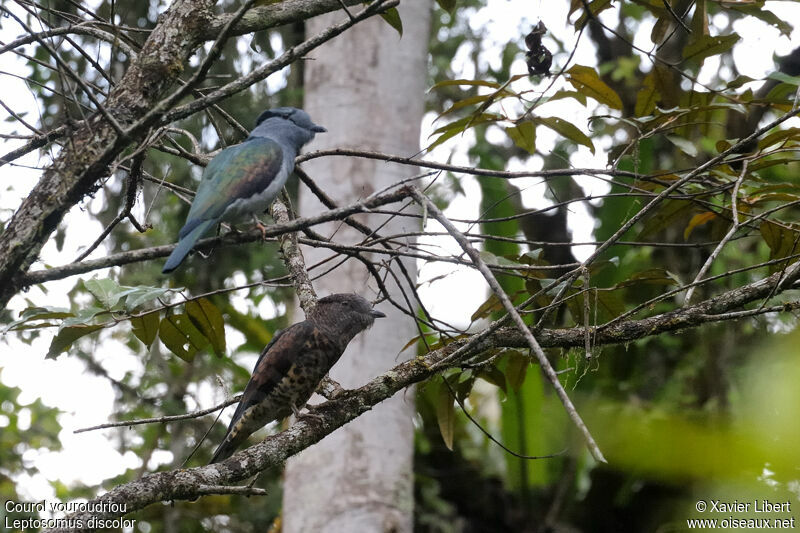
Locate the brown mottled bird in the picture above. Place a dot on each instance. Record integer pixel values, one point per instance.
(292, 365)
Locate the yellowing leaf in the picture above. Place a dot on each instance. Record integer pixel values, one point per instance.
(698, 220)
(707, 46)
(648, 96)
(524, 136)
(595, 7)
(659, 30)
(568, 130)
(699, 23)
(459, 126)
(586, 80)
(485, 99)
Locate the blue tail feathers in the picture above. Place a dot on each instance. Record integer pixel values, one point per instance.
(185, 245)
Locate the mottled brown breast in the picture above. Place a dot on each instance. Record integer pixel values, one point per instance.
(287, 374)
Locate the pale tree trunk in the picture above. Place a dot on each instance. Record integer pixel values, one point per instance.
(367, 87)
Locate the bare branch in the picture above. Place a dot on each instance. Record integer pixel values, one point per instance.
(162, 419)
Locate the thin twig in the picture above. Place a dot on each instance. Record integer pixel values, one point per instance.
(163, 419)
(489, 435)
(725, 239)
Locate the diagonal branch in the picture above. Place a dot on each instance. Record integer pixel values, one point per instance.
(533, 344)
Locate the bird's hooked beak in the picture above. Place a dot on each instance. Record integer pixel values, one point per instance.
(318, 129)
(374, 313)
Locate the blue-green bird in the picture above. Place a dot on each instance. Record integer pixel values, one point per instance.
(244, 179)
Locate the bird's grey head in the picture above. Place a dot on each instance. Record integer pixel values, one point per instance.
(287, 125)
(344, 315)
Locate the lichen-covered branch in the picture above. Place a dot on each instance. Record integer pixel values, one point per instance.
(193, 482)
(97, 142)
(293, 258)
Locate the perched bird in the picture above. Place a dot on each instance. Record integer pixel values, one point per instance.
(245, 178)
(292, 365)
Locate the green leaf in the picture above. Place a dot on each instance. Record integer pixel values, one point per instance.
(208, 319)
(516, 369)
(567, 129)
(586, 81)
(739, 81)
(647, 97)
(604, 305)
(38, 313)
(782, 94)
(416, 340)
(686, 146)
(659, 30)
(595, 7)
(706, 46)
(485, 99)
(181, 337)
(67, 336)
(772, 198)
(447, 5)
(498, 260)
(779, 136)
(480, 83)
(493, 375)
(767, 16)
(392, 17)
(145, 327)
(136, 296)
(446, 415)
(524, 136)
(781, 241)
(785, 78)
(669, 212)
(653, 276)
(575, 95)
(462, 123)
(107, 291)
(82, 317)
(488, 307)
(459, 126)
